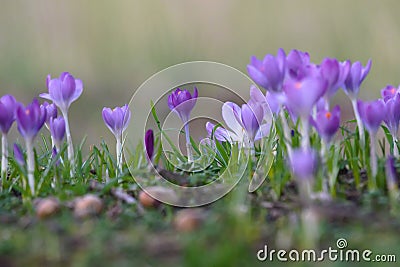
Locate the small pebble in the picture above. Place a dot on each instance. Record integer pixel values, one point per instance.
(158, 192)
(187, 220)
(47, 207)
(88, 205)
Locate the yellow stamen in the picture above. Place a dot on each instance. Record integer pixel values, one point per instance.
(393, 90)
(297, 85)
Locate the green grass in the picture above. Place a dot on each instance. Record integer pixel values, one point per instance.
(232, 230)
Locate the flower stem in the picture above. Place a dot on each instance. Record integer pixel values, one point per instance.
(69, 142)
(286, 131)
(189, 147)
(395, 148)
(359, 122)
(31, 164)
(4, 159)
(373, 159)
(305, 135)
(325, 182)
(118, 150)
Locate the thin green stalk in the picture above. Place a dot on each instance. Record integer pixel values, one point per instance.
(305, 135)
(4, 158)
(359, 122)
(69, 143)
(395, 148)
(189, 147)
(30, 164)
(118, 150)
(286, 131)
(373, 161)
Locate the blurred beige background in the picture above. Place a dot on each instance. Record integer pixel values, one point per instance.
(114, 46)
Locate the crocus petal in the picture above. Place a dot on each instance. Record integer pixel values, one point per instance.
(220, 133)
(229, 110)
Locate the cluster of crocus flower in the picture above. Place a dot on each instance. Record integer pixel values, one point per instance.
(304, 89)
(31, 118)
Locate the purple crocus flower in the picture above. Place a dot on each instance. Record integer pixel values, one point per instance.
(355, 77)
(302, 95)
(63, 90)
(372, 114)
(327, 123)
(30, 120)
(8, 106)
(304, 166)
(392, 116)
(19, 155)
(392, 113)
(251, 117)
(388, 92)
(334, 72)
(182, 102)
(149, 144)
(303, 163)
(117, 120)
(270, 72)
(57, 129)
(232, 115)
(298, 64)
(51, 111)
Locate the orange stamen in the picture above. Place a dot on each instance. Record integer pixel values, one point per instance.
(297, 85)
(328, 115)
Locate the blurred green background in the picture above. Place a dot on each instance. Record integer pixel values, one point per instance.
(114, 46)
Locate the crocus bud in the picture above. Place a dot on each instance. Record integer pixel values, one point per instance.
(149, 143)
(51, 111)
(57, 129)
(182, 102)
